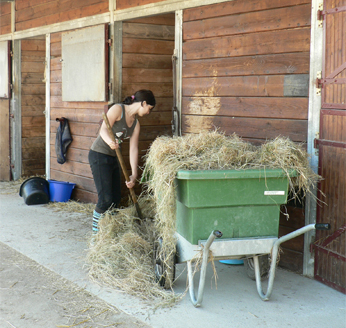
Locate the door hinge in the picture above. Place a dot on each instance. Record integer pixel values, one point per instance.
(319, 84)
(109, 86)
(320, 15)
(109, 41)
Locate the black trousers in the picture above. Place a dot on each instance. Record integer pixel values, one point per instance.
(107, 178)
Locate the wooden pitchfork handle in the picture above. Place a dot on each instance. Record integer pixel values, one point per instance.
(123, 166)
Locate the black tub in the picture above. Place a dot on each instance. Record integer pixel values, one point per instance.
(35, 191)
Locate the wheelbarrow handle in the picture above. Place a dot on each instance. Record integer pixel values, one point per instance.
(322, 226)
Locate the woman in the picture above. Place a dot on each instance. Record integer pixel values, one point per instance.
(102, 156)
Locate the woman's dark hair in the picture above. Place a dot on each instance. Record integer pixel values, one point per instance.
(140, 96)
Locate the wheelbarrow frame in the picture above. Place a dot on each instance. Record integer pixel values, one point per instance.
(235, 248)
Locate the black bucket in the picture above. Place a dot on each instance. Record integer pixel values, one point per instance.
(35, 191)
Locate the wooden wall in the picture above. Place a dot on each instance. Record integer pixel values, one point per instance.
(242, 61)
(35, 13)
(83, 121)
(33, 106)
(5, 17)
(148, 46)
(5, 172)
(238, 57)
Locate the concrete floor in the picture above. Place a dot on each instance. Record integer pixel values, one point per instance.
(58, 241)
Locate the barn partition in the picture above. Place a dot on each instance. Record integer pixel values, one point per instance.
(147, 48)
(245, 70)
(33, 106)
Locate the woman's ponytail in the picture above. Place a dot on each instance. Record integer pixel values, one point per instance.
(140, 96)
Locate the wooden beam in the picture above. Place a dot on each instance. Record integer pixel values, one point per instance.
(47, 110)
(162, 7)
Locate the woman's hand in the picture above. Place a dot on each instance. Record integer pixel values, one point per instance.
(114, 145)
(130, 184)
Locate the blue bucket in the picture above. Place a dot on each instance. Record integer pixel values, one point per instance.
(60, 191)
(232, 262)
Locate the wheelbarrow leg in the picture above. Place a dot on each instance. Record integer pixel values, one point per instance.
(197, 302)
(265, 297)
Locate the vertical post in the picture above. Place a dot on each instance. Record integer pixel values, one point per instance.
(47, 110)
(118, 61)
(316, 49)
(16, 112)
(178, 46)
(13, 17)
(112, 5)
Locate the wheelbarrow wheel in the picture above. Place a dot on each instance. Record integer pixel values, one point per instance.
(164, 266)
(263, 264)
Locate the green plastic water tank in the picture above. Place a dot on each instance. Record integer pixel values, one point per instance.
(239, 203)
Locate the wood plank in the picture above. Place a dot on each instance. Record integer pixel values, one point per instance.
(295, 244)
(33, 89)
(37, 110)
(260, 128)
(157, 118)
(47, 8)
(77, 114)
(55, 64)
(32, 56)
(32, 77)
(5, 21)
(147, 61)
(148, 31)
(123, 4)
(291, 260)
(161, 19)
(33, 100)
(5, 29)
(250, 22)
(272, 42)
(147, 75)
(237, 7)
(33, 142)
(33, 67)
(5, 8)
(55, 89)
(270, 107)
(5, 140)
(74, 168)
(34, 153)
(143, 46)
(30, 121)
(33, 131)
(63, 16)
(286, 63)
(57, 102)
(58, 11)
(56, 76)
(296, 219)
(159, 89)
(33, 44)
(55, 49)
(244, 86)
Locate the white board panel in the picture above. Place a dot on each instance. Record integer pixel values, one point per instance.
(83, 64)
(4, 70)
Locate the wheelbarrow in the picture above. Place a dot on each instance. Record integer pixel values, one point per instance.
(234, 214)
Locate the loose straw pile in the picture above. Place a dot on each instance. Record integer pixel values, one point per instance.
(122, 255)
